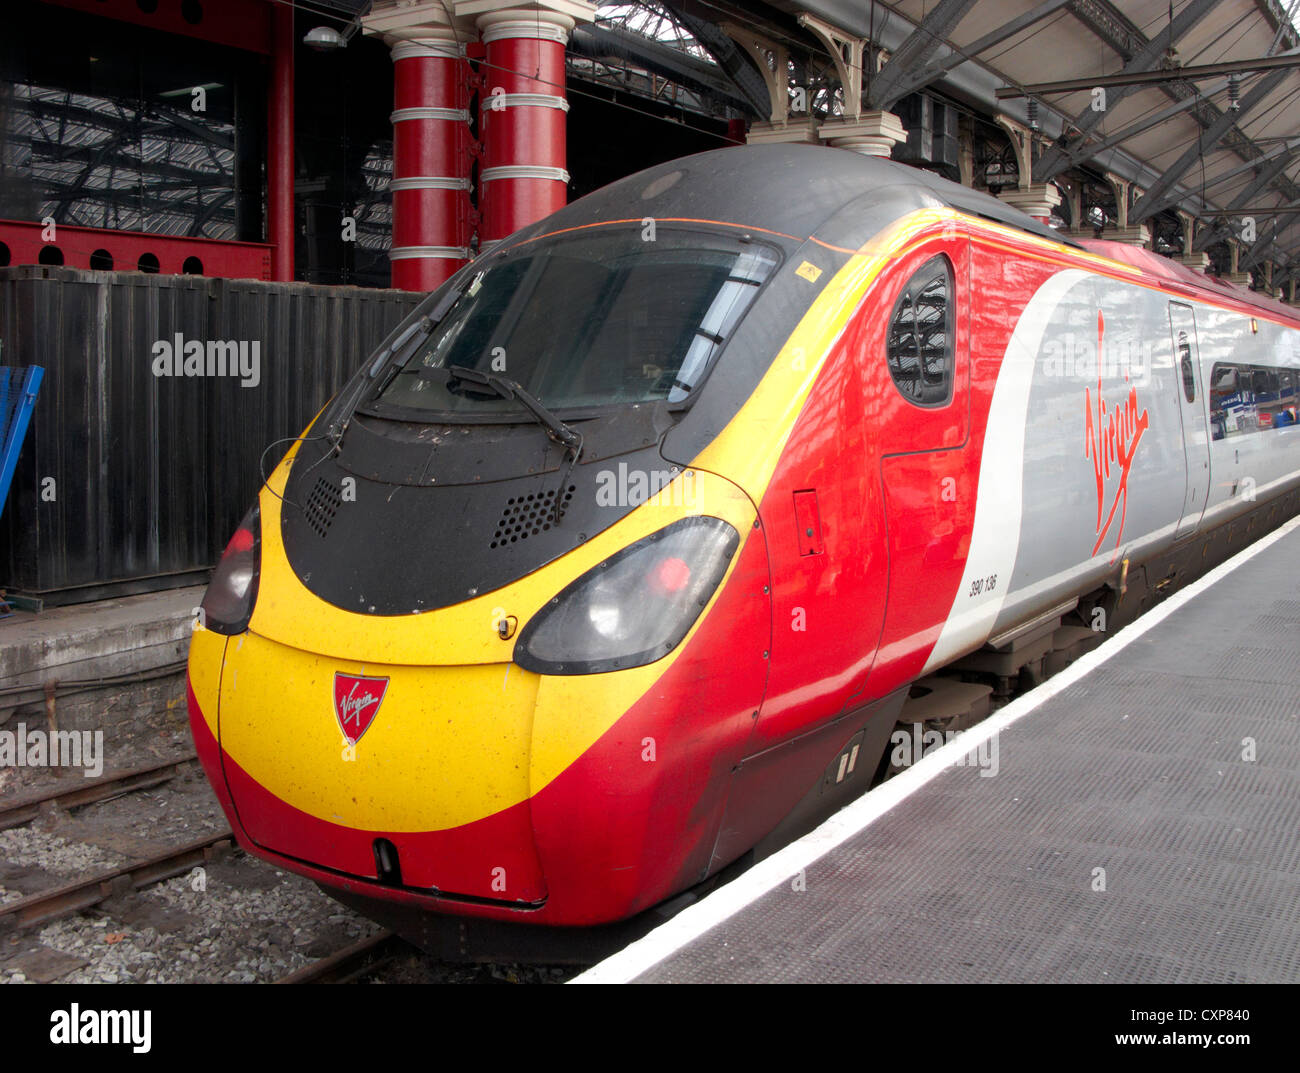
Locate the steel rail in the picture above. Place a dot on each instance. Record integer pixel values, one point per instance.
(346, 965)
(69, 898)
(141, 778)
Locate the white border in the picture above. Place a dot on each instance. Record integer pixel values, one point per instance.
(728, 900)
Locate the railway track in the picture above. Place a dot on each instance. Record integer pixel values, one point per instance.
(67, 898)
(80, 894)
(141, 778)
(352, 962)
(110, 889)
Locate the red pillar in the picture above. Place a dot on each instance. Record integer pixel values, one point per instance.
(279, 162)
(524, 114)
(431, 162)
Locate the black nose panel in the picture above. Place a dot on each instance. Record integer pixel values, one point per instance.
(375, 547)
(530, 516)
(323, 503)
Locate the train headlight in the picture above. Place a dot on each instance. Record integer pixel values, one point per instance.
(635, 607)
(228, 603)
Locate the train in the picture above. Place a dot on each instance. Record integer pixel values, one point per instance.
(624, 555)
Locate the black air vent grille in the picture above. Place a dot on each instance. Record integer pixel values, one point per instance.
(529, 515)
(322, 505)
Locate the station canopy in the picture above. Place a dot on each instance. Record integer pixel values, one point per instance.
(1220, 147)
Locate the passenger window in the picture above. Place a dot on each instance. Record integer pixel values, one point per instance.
(1185, 361)
(1245, 399)
(920, 346)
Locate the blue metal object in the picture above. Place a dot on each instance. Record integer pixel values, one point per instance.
(16, 405)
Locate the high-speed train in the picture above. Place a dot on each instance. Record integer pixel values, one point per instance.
(601, 565)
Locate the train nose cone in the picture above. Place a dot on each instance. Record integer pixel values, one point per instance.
(410, 776)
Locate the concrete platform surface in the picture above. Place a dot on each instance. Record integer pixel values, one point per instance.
(96, 640)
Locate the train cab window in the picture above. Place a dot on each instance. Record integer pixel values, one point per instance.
(1185, 364)
(601, 317)
(919, 346)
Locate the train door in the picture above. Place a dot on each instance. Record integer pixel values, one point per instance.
(1196, 435)
(929, 473)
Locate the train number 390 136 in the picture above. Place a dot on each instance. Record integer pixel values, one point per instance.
(984, 584)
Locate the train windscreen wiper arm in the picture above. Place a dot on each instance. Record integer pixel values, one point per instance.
(512, 391)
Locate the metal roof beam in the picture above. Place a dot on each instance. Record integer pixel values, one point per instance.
(975, 82)
(1112, 27)
(1286, 148)
(1260, 252)
(1262, 181)
(165, 129)
(1286, 60)
(1207, 141)
(607, 42)
(733, 61)
(888, 85)
(915, 80)
(1080, 152)
(123, 163)
(1056, 159)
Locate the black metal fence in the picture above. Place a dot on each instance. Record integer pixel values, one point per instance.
(142, 454)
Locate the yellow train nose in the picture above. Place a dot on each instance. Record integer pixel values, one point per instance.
(328, 760)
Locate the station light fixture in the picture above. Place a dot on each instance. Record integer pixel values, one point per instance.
(328, 39)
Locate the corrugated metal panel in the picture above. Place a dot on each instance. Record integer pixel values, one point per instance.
(153, 474)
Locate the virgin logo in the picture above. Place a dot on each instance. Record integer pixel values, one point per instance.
(356, 703)
(1111, 438)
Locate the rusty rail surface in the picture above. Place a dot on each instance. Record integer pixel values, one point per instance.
(141, 778)
(61, 901)
(344, 966)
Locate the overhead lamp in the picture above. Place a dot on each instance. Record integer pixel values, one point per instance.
(328, 39)
(324, 39)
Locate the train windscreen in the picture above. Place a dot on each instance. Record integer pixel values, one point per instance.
(592, 319)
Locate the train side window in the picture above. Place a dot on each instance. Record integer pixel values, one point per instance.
(919, 346)
(1286, 415)
(1225, 402)
(1185, 362)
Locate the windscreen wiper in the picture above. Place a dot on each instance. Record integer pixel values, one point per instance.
(556, 429)
(421, 328)
(512, 391)
(395, 356)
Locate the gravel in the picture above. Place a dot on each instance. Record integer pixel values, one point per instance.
(234, 920)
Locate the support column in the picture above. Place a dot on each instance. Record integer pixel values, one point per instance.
(798, 131)
(432, 157)
(1036, 200)
(279, 163)
(1234, 273)
(966, 151)
(1189, 257)
(871, 133)
(431, 160)
(1074, 198)
(1135, 235)
(523, 110)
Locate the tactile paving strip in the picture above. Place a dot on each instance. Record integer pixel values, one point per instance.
(1138, 769)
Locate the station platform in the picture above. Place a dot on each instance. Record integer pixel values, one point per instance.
(1140, 824)
(116, 666)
